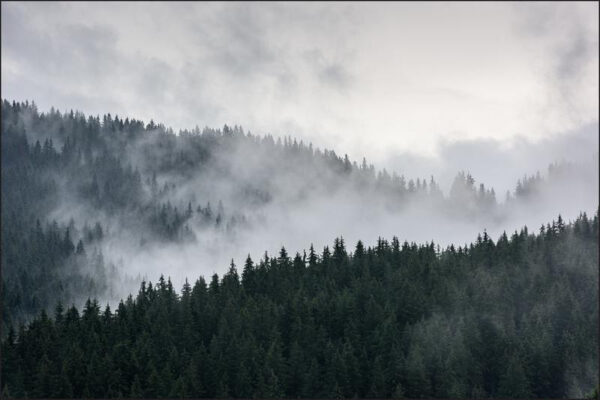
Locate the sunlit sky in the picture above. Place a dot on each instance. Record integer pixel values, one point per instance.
(367, 79)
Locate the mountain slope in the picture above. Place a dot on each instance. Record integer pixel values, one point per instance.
(513, 318)
(91, 206)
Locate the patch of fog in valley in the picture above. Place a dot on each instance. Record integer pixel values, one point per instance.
(285, 198)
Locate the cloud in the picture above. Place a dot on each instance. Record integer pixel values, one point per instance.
(564, 38)
(363, 79)
(500, 163)
(330, 73)
(44, 54)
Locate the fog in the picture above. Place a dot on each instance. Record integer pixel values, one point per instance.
(429, 122)
(499, 162)
(370, 79)
(497, 90)
(286, 194)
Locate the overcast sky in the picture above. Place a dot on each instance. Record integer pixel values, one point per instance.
(373, 79)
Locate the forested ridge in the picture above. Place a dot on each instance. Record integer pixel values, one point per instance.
(67, 162)
(515, 317)
(223, 200)
(71, 183)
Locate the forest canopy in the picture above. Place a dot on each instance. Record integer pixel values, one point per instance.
(95, 209)
(517, 317)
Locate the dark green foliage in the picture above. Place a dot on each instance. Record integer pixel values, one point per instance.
(128, 174)
(54, 161)
(516, 318)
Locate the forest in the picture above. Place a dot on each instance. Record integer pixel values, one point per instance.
(516, 317)
(95, 209)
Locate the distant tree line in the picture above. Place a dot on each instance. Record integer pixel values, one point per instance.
(53, 163)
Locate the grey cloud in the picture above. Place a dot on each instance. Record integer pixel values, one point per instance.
(573, 42)
(501, 164)
(330, 73)
(336, 75)
(574, 56)
(242, 47)
(534, 18)
(64, 51)
(246, 42)
(238, 39)
(152, 81)
(259, 65)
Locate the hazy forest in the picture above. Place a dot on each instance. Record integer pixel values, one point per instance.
(86, 314)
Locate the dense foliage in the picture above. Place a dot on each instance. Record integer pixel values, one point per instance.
(517, 317)
(66, 178)
(513, 318)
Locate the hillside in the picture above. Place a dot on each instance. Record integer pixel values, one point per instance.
(516, 317)
(91, 206)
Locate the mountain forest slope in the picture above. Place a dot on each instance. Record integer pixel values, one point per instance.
(96, 208)
(516, 317)
(91, 206)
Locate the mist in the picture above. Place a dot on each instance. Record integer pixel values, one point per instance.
(280, 192)
(409, 191)
(372, 80)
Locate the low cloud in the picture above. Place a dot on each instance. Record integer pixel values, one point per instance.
(363, 79)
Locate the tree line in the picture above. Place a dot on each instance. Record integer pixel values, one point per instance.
(515, 317)
(109, 167)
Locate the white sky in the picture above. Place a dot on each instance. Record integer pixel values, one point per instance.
(367, 79)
